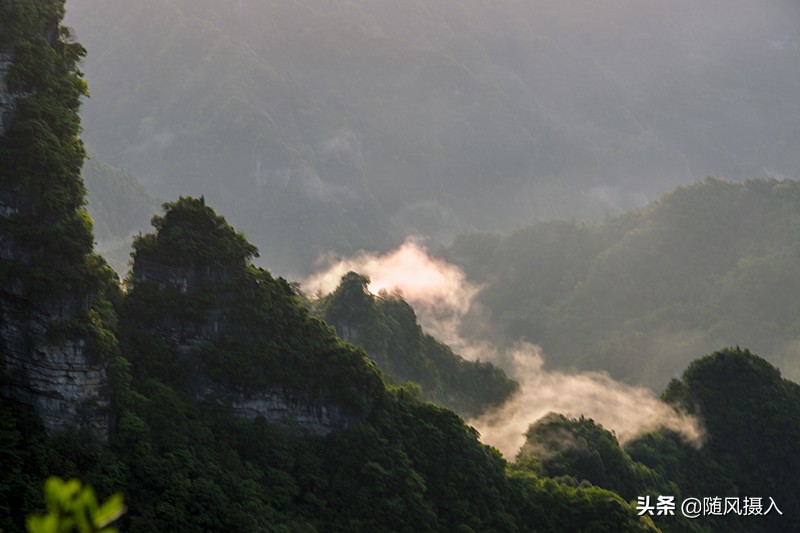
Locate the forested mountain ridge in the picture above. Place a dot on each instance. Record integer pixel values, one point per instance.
(752, 418)
(120, 207)
(199, 316)
(641, 294)
(386, 326)
(117, 199)
(196, 314)
(374, 120)
(227, 392)
(196, 307)
(55, 293)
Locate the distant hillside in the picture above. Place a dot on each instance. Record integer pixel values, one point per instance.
(207, 394)
(349, 125)
(119, 205)
(712, 264)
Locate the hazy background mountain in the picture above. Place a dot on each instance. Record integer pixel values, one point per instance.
(707, 265)
(205, 390)
(119, 205)
(323, 125)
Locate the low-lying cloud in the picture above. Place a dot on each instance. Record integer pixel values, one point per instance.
(438, 291)
(627, 410)
(441, 295)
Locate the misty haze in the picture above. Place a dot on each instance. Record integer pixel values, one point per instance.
(363, 122)
(423, 265)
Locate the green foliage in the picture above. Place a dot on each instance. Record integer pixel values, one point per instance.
(188, 464)
(640, 295)
(41, 154)
(73, 506)
(752, 416)
(554, 506)
(190, 232)
(751, 420)
(386, 326)
(583, 450)
(22, 444)
(255, 330)
(97, 325)
(46, 233)
(406, 465)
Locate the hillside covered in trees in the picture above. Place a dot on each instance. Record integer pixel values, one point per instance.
(188, 456)
(387, 328)
(206, 341)
(751, 417)
(372, 120)
(204, 389)
(641, 294)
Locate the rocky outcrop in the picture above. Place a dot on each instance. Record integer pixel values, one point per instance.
(13, 200)
(181, 277)
(234, 334)
(59, 380)
(7, 99)
(182, 335)
(277, 404)
(282, 406)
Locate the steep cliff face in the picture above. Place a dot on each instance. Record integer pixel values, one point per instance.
(59, 380)
(187, 338)
(49, 278)
(284, 406)
(232, 334)
(7, 99)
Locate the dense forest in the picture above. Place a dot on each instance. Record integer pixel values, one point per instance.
(387, 328)
(641, 294)
(216, 397)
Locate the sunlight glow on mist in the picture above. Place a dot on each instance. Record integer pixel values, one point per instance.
(410, 270)
(441, 296)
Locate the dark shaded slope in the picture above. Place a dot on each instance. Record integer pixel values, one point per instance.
(743, 474)
(386, 326)
(200, 326)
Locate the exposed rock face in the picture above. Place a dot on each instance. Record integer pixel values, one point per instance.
(59, 379)
(12, 200)
(181, 277)
(285, 407)
(181, 335)
(7, 99)
(276, 404)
